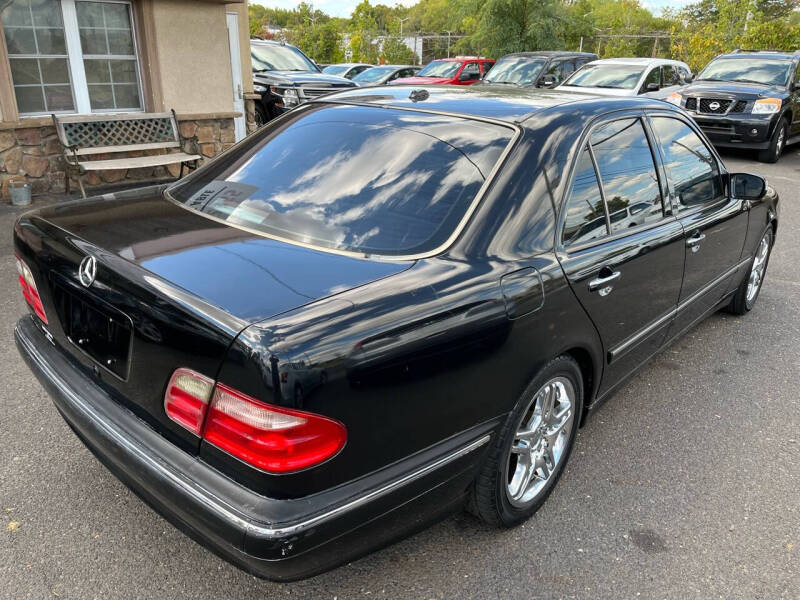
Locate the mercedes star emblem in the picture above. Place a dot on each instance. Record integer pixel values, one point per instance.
(714, 106)
(87, 271)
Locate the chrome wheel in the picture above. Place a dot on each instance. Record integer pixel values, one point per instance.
(757, 270)
(540, 443)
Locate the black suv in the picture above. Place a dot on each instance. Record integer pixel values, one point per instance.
(536, 69)
(747, 99)
(285, 77)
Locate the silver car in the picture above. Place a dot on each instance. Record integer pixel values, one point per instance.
(654, 77)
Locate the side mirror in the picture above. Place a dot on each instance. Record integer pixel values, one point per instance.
(547, 81)
(652, 87)
(687, 79)
(745, 186)
(796, 85)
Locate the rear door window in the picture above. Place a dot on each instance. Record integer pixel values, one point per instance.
(585, 217)
(692, 170)
(628, 174)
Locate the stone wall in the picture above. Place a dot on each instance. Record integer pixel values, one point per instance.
(34, 154)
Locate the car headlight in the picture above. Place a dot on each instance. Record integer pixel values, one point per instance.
(290, 97)
(259, 89)
(767, 106)
(674, 98)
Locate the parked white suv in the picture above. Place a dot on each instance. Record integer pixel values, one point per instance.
(654, 77)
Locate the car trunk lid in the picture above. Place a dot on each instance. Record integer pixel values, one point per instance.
(171, 289)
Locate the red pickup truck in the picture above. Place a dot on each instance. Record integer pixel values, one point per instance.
(461, 70)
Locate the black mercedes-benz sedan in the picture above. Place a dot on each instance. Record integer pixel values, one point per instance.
(384, 306)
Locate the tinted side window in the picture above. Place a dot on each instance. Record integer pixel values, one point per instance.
(653, 76)
(487, 66)
(555, 69)
(472, 69)
(671, 75)
(585, 215)
(691, 168)
(628, 174)
(567, 68)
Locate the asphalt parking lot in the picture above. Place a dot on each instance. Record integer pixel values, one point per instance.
(685, 485)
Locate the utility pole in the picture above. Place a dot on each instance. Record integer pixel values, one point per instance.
(401, 25)
(448, 42)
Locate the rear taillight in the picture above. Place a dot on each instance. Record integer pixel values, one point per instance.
(271, 438)
(29, 289)
(186, 400)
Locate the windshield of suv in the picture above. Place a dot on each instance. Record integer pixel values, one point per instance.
(440, 68)
(376, 181)
(336, 69)
(623, 77)
(374, 74)
(266, 57)
(748, 70)
(520, 70)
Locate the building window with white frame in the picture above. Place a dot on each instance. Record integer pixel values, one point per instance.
(71, 56)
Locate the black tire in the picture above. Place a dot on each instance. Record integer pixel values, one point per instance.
(776, 144)
(740, 303)
(489, 497)
(261, 116)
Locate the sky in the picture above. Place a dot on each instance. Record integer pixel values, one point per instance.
(343, 8)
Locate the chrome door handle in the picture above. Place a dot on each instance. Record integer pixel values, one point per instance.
(602, 283)
(695, 239)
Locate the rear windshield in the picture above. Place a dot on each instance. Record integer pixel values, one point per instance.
(362, 179)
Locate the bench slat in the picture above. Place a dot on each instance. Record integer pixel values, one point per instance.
(126, 148)
(138, 162)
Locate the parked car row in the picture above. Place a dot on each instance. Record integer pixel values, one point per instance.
(745, 99)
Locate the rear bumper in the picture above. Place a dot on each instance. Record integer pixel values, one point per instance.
(281, 539)
(741, 130)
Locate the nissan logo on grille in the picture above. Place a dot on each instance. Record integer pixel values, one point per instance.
(714, 105)
(87, 271)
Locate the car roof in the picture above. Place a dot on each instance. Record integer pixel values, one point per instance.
(462, 58)
(510, 104)
(550, 53)
(637, 61)
(394, 66)
(762, 54)
(351, 65)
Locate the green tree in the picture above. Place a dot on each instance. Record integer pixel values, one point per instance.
(396, 52)
(517, 25)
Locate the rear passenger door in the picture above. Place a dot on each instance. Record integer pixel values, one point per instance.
(714, 224)
(620, 246)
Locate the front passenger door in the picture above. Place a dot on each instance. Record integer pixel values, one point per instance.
(714, 224)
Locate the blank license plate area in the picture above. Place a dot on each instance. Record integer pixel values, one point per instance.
(100, 331)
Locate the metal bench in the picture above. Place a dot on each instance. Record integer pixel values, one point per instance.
(82, 136)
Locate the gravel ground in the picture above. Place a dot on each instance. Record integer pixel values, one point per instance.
(684, 485)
